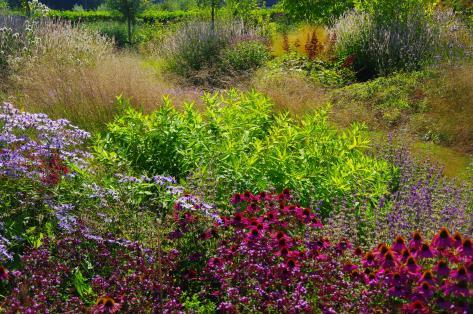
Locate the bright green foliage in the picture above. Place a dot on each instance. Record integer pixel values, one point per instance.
(85, 16)
(210, 3)
(195, 305)
(113, 30)
(150, 15)
(155, 152)
(389, 10)
(174, 5)
(316, 10)
(239, 144)
(25, 7)
(80, 284)
(128, 8)
(213, 5)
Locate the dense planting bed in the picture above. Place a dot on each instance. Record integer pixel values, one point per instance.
(214, 157)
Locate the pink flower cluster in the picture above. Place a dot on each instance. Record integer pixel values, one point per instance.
(420, 276)
(271, 258)
(268, 256)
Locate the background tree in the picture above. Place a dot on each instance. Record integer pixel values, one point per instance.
(316, 11)
(25, 6)
(242, 8)
(130, 10)
(213, 4)
(173, 5)
(4, 6)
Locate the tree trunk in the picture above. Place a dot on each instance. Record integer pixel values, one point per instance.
(26, 7)
(212, 22)
(129, 29)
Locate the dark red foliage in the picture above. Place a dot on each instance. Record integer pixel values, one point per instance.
(53, 169)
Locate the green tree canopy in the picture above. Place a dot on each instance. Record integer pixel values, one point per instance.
(213, 4)
(129, 9)
(316, 11)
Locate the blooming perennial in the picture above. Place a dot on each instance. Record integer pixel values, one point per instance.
(271, 258)
(420, 276)
(36, 147)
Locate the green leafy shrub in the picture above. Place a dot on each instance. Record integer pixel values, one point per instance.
(84, 16)
(246, 55)
(238, 144)
(4, 7)
(156, 153)
(129, 9)
(242, 9)
(150, 15)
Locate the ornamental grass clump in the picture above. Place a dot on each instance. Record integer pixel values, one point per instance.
(75, 73)
(212, 57)
(384, 37)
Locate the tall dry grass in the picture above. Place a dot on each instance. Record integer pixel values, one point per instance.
(290, 91)
(75, 73)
